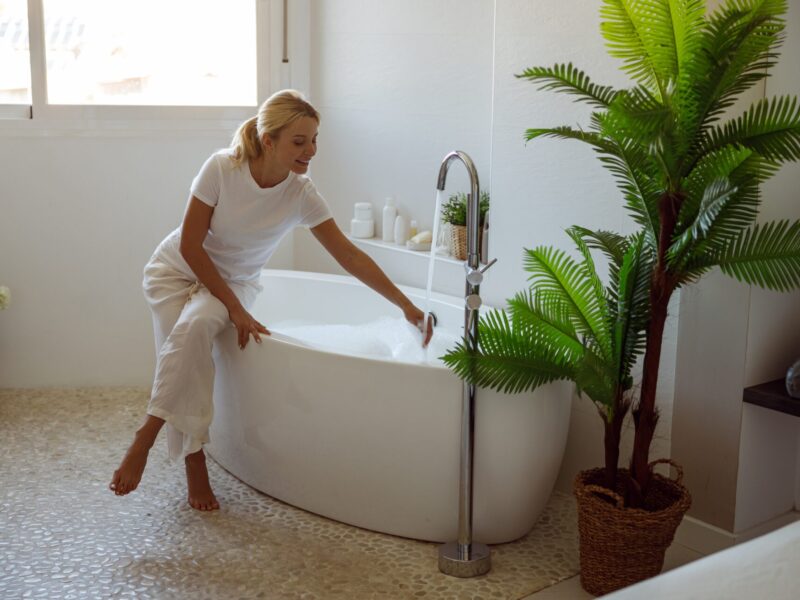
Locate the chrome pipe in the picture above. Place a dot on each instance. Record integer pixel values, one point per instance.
(465, 558)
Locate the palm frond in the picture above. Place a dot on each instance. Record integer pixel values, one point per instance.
(640, 34)
(635, 114)
(767, 255)
(741, 211)
(687, 18)
(508, 360)
(589, 268)
(595, 377)
(637, 178)
(631, 307)
(682, 99)
(713, 166)
(613, 245)
(569, 133)
(739, 43)
(547, 315)
(716, 196)
(770, 127)
(569, 79)
(553, 271)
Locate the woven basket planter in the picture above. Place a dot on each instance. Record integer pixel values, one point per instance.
(457, 241)
(620, 546)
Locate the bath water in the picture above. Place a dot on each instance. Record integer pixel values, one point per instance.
(390, 338)
(432, 259)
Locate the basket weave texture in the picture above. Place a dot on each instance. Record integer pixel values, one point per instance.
(620, 546)
(458, 241)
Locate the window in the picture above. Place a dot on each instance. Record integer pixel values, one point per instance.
(153, 52)
(15, 74)
(95, 58)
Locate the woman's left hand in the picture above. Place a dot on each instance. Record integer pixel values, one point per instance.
(417, 318)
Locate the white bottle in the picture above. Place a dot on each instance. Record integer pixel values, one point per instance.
(389, 215)
(400, 230)
(412, 229)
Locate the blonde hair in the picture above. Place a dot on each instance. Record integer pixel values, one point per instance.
(278, 111)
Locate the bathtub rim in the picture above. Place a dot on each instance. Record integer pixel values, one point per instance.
(452, 301)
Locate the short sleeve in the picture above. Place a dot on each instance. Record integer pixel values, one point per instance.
(314, 209)
(206, 184)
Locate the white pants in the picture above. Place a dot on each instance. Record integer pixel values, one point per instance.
(186, 320)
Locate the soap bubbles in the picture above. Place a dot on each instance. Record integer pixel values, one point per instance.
(386, 338)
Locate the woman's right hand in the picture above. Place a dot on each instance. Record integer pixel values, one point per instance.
(246, 326)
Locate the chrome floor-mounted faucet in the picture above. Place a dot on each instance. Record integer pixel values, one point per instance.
(465, 558)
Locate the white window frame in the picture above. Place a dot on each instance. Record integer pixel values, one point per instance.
(271, 75)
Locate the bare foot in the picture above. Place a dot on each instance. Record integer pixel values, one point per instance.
(127, 477)
(200, 495)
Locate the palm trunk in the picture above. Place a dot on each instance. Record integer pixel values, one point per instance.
(613, 433)
(645, 415)
(662, 285)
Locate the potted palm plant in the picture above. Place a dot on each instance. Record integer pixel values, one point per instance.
(691, 183)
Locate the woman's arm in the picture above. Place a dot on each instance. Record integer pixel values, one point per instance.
(195, 226)
(361, 266)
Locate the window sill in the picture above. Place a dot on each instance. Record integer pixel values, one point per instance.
(116, 128)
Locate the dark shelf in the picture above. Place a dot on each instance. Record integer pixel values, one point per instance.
(773, 395)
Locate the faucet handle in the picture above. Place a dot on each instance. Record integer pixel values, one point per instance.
(473, 301)
(489, 264)
(475, 276)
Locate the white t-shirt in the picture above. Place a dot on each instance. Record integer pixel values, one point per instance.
(248, 221)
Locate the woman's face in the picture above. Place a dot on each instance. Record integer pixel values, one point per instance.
(297, 145)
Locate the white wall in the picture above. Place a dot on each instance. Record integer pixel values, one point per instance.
(399, 84)
(769, 471)
(733, 336)
(81, 214)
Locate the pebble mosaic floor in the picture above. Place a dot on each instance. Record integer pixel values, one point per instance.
(63, 534)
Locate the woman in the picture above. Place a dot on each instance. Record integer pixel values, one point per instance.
(204, 275)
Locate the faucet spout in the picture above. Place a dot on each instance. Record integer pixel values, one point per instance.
(473, 201)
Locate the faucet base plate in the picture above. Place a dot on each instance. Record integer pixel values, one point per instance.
(451, 562)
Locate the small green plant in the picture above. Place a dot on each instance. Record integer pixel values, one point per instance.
(454, 211)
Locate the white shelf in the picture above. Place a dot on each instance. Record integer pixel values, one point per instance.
(426, 254)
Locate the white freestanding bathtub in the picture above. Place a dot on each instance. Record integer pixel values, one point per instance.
(374, 442)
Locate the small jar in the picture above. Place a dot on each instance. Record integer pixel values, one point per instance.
(363, 211)
(362, 226)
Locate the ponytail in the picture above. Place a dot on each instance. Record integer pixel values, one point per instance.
(246, 144)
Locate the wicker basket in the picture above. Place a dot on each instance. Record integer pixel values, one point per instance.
(620, 546)
(457, 241)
